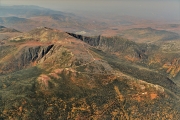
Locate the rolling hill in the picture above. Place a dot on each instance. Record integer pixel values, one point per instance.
(6, 33)
(149, 35)
(4, 29)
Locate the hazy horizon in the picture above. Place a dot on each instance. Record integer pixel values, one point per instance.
(154, 10)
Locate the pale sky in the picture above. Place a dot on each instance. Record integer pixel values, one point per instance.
(151, 9)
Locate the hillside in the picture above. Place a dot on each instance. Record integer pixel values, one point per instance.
(50, 74)
(4, 30)
(149, 35)
(159, 57)
(6, 33)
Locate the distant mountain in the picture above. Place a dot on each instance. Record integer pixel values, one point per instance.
(25, 11)
(6, 33)
(25, 18)
(4, 29)
(51, 74)
(149, 35)
(13, 20)
(21, 24)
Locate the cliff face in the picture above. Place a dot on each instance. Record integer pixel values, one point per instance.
(116, 45)
(145, 54)
(33, 54)
(93, 41)
(26, 56)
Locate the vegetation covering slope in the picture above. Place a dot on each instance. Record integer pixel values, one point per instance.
(149, 35)
(49, 74)
(4, 29)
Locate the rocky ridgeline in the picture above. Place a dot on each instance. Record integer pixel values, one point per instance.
(26, 56)
(115, 45)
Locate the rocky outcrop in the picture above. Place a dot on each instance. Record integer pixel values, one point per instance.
(115, 45)
(173, 68)
(93, 41)
(33, 54)
(26, 56)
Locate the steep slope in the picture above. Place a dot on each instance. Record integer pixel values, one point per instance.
(120, 46)
(48, 74)
(141, 55)
(147, 55)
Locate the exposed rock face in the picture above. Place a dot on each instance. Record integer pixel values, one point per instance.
(115, 44)
(93, 41)
(26, 57)
(147, 54)
(131, 51)
(32, 54)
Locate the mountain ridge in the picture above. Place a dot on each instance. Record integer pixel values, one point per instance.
(60, 75)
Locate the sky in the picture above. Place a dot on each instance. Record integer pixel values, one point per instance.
(149, 9)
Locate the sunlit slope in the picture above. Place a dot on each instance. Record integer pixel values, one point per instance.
(159, 57)
(51, 74)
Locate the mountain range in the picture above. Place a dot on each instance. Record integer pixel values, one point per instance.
(26, 18)
(51, 74)
(87, 67)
